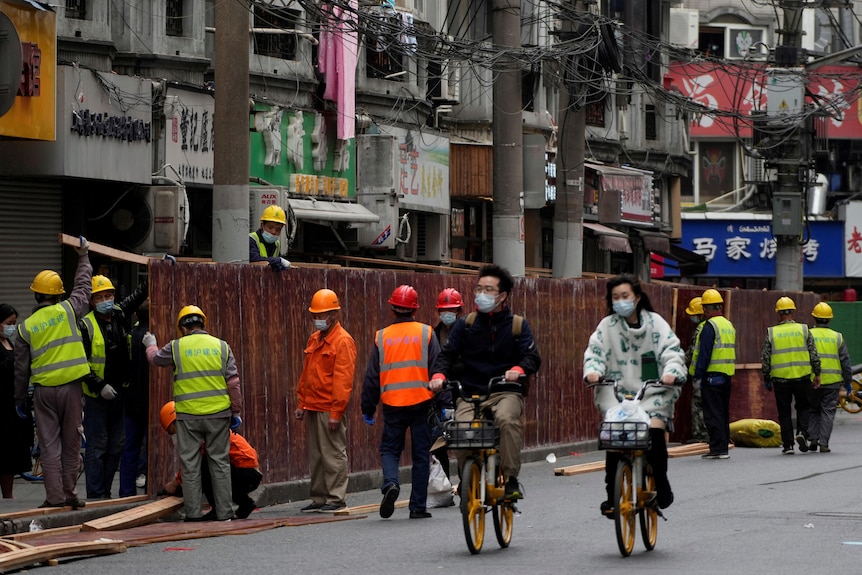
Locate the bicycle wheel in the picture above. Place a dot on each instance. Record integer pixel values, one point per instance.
(503, 513)
(472, 506)
(624, 510)
(648, 516)
(851, 403)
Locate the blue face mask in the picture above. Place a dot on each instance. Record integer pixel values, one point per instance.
(695, 319)
(9, 331)
(485, 303)
(625, 307)
(321, 324)
(448, 317)
(105, 306)
(268, 237)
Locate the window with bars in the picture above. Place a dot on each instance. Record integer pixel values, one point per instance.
(174, 18)
(384, 53)
(275, 44)
(76, 9)
(650, 126)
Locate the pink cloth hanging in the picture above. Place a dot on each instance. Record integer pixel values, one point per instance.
(338, 54)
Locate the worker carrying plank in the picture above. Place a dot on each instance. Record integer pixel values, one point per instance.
(245, 475)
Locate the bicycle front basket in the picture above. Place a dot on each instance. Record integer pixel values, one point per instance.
(471, 434)
(624, 435)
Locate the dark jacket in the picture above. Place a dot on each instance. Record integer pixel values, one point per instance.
(272, 256)
(487, 349)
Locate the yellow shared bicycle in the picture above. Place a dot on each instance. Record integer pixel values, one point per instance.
(482, 483)
(852, 402)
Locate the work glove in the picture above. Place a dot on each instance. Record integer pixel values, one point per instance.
(235, 422)
(768, 384)
(108, 392)
(84, 246)
(19, 409)
(148, 339)
(285, 264)
(368, 419)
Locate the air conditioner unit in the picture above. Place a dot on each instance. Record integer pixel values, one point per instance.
(450, 82)
(684, 28)
(150, 219)
(428, 238)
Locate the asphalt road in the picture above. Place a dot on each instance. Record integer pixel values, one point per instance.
(759, 512)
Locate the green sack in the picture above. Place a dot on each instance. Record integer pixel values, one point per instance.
(755, 433)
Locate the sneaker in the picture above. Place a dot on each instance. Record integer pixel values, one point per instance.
(76, 503)
(312, 507)
(419, 515)
(333, 507)
(513, 489)
(607, 509)
(141, 481)
(812, 446)
(803, 443)
(715, 456)
(665, 500)
(387, 506)
(244, 509)
(788, 450)
(46, 504)
(825, 449)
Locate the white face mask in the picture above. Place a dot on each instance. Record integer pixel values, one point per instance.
(485, 303)
(321, 324)
(625, 307)
(448, 317)
(9, 331)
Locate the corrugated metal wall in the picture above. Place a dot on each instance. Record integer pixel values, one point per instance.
(263, 316)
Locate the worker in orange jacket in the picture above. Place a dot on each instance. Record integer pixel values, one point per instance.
(245, 475)
(397, 375)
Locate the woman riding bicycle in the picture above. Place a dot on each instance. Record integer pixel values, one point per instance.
(632, 344)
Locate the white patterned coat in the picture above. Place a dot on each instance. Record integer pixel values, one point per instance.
(615, 351)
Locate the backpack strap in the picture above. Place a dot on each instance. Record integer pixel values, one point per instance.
(471, 318)
(517, 325)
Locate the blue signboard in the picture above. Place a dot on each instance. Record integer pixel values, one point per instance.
(746, 248)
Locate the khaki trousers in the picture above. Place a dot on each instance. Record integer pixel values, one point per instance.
(327, 458)
(506, 408)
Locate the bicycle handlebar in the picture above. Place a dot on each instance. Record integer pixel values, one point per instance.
(607, 381)
(493, 383)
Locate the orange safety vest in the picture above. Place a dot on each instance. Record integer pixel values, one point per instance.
(403, 351)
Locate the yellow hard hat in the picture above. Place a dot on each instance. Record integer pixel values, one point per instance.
(101, 283)
(168, 414)
(711, 296)
(190, 313)
(784, 303)
(822, 311)
(324, 300)
(694, 307)
(274, 214)
(47, 282)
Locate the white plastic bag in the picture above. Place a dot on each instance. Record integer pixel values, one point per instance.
(628, 411)
(439, 487)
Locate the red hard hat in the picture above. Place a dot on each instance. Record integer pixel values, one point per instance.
(405, 296)
(449, 298)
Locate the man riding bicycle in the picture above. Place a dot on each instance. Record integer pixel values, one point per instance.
(487, 344)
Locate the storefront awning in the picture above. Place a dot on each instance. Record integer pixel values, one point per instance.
(325, 211)
(687, 262)
(654, 241)
(609, 238)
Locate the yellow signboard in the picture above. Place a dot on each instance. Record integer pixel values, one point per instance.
(32, 116)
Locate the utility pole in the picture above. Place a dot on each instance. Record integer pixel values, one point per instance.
(230, 223)
(569, 206)
(508, 218)
(793, 158)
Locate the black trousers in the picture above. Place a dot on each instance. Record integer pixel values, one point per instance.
(716, 414)
(243, 480)
(788, 391)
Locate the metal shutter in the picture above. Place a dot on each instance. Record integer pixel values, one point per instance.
(31, 216)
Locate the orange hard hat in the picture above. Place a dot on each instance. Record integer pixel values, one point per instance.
(168, 414)
(324, 300)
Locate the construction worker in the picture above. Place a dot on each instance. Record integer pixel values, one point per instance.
(208, 402)
(50, 356)
(714, 364)
(835, 369)
(104, 331)
(789, 358)
(322, 395)
(264, 245)
(491, 346)
(245, 475)
(698, 425)
(450, 307)
(397, 376)
(136, 403)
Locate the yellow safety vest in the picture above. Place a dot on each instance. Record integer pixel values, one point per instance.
(723, 358)
(790, 357)
(403, 351)
(97, 348)
(696, 351)
(57, 354)
(261, 245)
(828, 342)
(200, 362)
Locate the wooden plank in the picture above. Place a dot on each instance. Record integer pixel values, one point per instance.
(133, 517)
(25, 557)
(114, 253)
(43, 533)
(580, 468)
(370, 508)
(39, 512)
